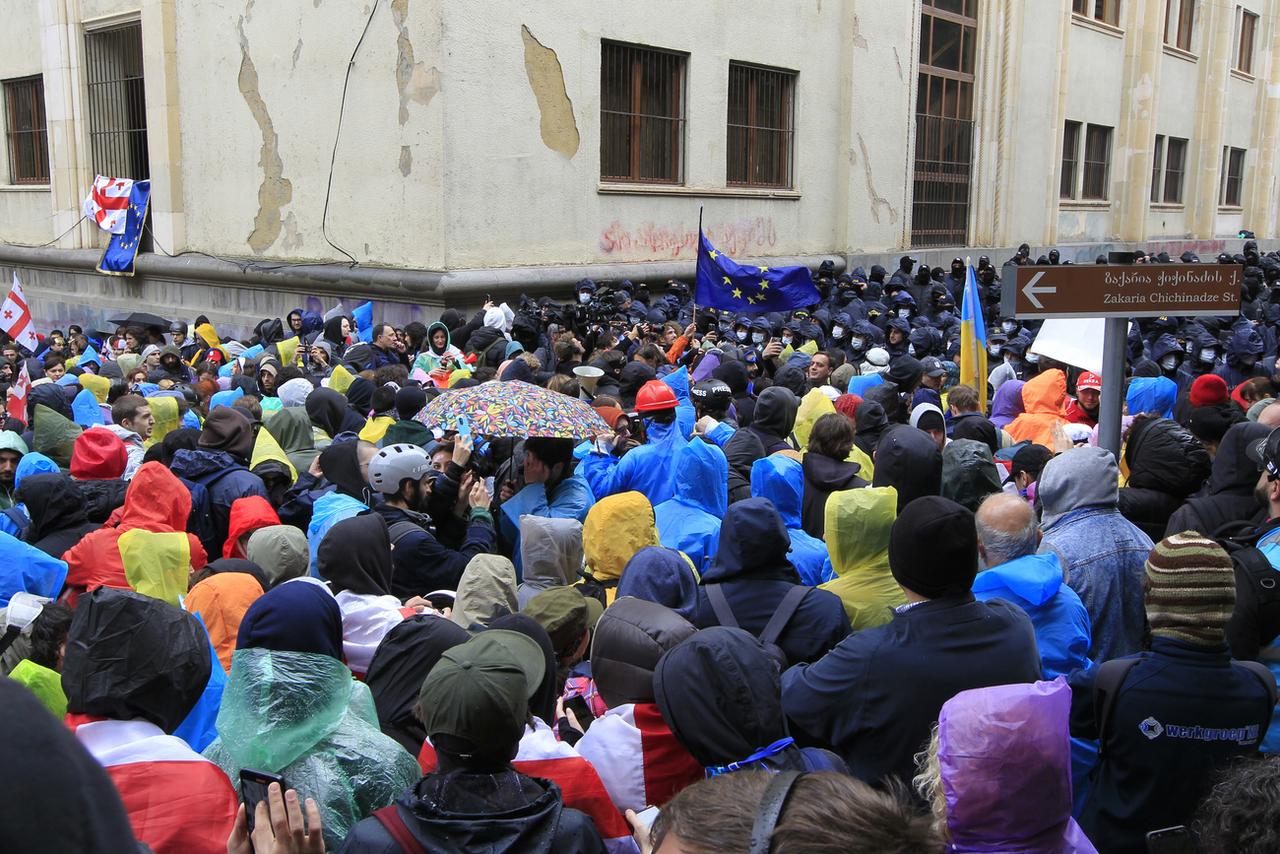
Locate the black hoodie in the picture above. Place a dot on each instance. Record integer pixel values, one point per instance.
(720, 693)
(908, 460)
(773, 420)
(823, 476)
(328, 410)
(401, 663)
(356, 555)
(1166, 464)
(1229, 497)
(57, 509)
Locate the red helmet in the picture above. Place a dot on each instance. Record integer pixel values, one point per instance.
(655, 395)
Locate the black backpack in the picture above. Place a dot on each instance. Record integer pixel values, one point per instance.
(769, 635)
(1255, 622)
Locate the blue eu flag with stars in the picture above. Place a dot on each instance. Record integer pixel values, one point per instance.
(118, 258)
(726, 285)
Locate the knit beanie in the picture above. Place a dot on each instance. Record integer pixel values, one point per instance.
(933, 548)
(1207, 390)
(1191, 589)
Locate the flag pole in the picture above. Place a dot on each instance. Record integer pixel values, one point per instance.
(697, 258)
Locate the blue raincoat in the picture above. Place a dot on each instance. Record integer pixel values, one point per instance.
(15, 520)
(1151, 394)
(570, 499)
(199, 729)
(686, 415)
(24, 568)
(329, 509)
(690, 521)
(649, 469)
(781, 480)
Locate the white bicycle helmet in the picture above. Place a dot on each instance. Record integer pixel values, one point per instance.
(396, 463)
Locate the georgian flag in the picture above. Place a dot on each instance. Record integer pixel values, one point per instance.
(108, 202)
(15, 318)
(16, 405)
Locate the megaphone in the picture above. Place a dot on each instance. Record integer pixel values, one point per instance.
(588, 377)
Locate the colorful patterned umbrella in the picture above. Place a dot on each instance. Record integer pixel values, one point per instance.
(513, 410)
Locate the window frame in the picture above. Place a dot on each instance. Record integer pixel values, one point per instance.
(1157, 169)
(1105, 164)
(636, 115)
(1103, 11)
(116, 101)
(37, 134)
(1246, 37)
(1182, 28)
(1182, 145)
(755, 75)
(1232, 184)
(1070, 179)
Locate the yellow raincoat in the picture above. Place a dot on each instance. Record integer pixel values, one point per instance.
(165, 410)
(341, 379)
(206, 333)
(375, 428)
(858, 523)
(813, 406)
(156, 564)
(46, 684)
(616, 528)
(266, 448)
(99, 386)
(288, 350)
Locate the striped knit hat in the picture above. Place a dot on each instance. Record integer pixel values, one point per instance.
(1191, 589)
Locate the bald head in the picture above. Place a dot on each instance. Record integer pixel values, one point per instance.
(1007, 529)
(1270, 416)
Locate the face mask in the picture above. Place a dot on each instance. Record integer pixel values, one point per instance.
(911, 349)
(904, 313)
(584, 298)
(1169, 362)
(741, 334)
(1189, 347)
(994, 350)
(1032, 358)
(1207, 357)
(858, 343)
(1008, 326)
(786, 340)
(837, 332)
(757, 337)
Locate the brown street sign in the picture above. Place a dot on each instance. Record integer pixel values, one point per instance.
(1139, 290)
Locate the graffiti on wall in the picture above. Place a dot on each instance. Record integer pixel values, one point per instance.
(648, 240)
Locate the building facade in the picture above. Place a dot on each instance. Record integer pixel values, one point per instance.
(423, 152)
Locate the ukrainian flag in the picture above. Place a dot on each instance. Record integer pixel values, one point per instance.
(973, 340)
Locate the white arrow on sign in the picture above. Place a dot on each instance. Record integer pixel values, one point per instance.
(1029, 290)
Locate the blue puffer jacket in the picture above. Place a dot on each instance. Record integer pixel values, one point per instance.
(1034, 583)
(223, 478)
(649, 469)
(690, 521)
(781, 480)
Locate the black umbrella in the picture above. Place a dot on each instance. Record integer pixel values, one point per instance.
(140, 318)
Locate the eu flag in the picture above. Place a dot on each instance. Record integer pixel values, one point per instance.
(118, 258)
(726, 285)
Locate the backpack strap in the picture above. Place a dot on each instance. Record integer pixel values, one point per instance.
(1265, 676)
(786, 610)
(389, 818)
(1106, 687)
(720, 604)
(399, 530)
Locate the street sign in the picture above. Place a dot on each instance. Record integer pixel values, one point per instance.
(1102, 290)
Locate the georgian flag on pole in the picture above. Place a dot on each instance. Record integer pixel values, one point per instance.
(16, 405)
(108, 202)
(15, 318)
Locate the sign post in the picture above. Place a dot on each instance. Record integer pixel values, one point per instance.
(1118, 293)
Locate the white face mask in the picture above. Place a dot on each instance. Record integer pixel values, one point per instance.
(584, 298)
(904, 313)
(1032, 358)
(1189, 347)
(1169, 362)
(858, 343)
(741, 334)
(1206, 356)
(757, 337)
(786, 340)
(994, 350)
(911, 349)
(837, 332)
(1008, 326)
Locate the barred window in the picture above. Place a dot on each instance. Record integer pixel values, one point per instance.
(642, 114)
(1232, 177)
(117, 103)
(25, 128)
(1070, 160)
(761, 127)
(1157, 163)
(1175, 168)
(1097, 162)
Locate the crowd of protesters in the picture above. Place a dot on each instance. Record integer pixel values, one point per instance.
(797, 590)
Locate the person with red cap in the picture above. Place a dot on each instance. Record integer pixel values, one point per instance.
(1084, 409)
(649, 469)
(98, 454)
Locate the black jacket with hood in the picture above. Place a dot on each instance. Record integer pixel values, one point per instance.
(823, 476)
(1229, 496)
(773, 420)
(754, 574)
(1166, 464)
(57, 509)
(908, 460)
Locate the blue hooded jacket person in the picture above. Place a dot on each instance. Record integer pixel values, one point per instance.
(753, 573)
(1244, 355)
(781, 480)
(662, 575)
(690, 521)
(649, 469)
(1151, 394)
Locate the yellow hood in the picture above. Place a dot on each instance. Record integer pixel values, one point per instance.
(99, 386)
(265, 448)
(858, 522)
(375, 428)
(156, 564)
(616, 528)
(813, 406)
(288, 350)
(341, 379)
(165, 410)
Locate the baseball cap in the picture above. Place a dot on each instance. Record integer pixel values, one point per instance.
(565, 613)
(931, 366)
(1089, 380)
(1031, 459)
(477, 695)
(1265, 453)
